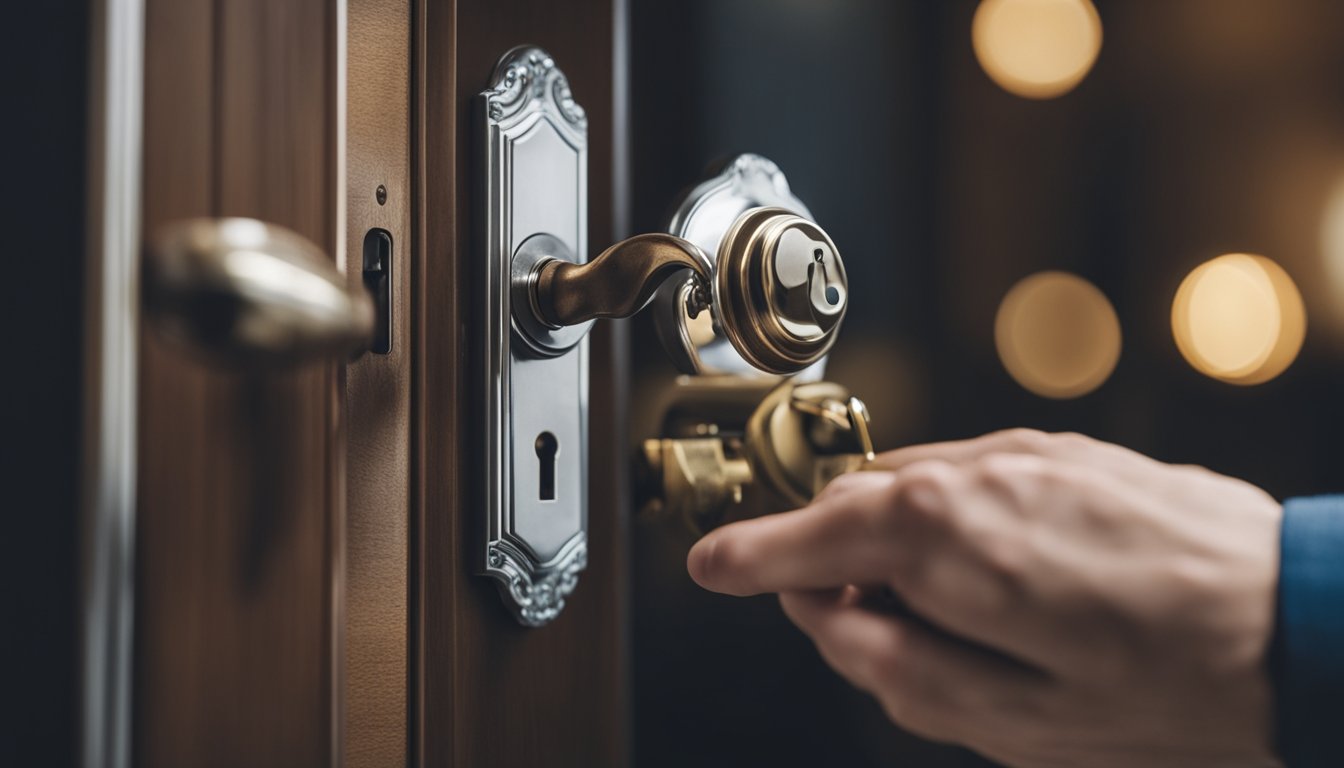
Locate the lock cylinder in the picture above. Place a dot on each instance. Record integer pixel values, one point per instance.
(781, 290)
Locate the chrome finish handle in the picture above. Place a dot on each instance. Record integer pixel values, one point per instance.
(242, 292)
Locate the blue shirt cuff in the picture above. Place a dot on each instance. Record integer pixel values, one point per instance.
(1309, 636)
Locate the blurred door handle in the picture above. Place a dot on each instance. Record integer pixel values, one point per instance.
(243, 293)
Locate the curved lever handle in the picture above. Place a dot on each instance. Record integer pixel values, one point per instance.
(243, 292)
(619, 282)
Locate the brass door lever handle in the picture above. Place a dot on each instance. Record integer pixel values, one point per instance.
(619, 282)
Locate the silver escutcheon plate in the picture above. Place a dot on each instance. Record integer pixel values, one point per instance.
(535, 141)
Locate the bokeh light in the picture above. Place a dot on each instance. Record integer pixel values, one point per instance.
(1332, 249)
(1239, 318)
(1057, 335)
(1039, 49)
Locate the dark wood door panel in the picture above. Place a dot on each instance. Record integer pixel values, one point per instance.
(240, 476)
(269, 630)
(494, 693)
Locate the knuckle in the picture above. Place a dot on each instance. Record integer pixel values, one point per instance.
(922, 491)
(1025, 439)
(860, 500)
(838, 487)
(1025, 478)
(1071, 443)
(1009, 472)
(1001, 469)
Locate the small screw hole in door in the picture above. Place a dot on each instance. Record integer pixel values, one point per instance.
(547, 449)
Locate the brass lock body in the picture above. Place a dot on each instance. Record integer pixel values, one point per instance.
(803, 435)
(796, 440)
(737, 440)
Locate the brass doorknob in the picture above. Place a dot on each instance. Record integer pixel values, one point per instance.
(778, 291)
(242, 292)
(781, 290)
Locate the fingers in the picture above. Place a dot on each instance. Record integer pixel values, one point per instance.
(828, 544)
(956, 543)
(934, 685)
(1066, 447)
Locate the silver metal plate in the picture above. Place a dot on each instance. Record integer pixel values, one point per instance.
(536, 182)
(709, 210)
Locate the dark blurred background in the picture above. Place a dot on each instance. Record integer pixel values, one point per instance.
(1204, 127)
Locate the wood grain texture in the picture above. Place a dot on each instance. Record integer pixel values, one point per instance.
(241, 478)
(377, 611)
(492, 693)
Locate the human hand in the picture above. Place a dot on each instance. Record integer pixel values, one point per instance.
(1067, 602)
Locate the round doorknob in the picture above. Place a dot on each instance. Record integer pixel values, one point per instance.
(781, 290)
(243, 292)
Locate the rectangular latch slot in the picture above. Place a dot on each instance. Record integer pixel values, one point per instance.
(378, 282)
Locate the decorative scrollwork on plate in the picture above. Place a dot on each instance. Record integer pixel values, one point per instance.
(537, 598)
(528, 75)
(533, 144)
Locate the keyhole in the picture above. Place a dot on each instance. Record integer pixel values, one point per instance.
(547, 449)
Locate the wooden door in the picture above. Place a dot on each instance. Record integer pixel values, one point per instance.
(494, 693)
(241, 476)
(304, 584)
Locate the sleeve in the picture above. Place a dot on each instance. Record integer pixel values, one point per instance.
(1308, 655)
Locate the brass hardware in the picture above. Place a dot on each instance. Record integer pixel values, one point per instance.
(778, 294)
(735, 443)
(781, 290)
(796, 440)
(802, 435)
(243, 292)
(619, 282)
(695, 479)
